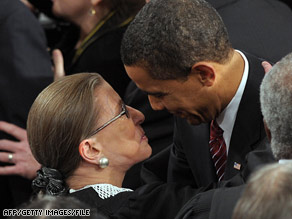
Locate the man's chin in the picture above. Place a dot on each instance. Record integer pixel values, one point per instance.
(193, 121)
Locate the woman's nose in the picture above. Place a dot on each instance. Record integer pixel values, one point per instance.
(137, 116)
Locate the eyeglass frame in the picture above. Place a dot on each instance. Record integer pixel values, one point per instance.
(124, 111)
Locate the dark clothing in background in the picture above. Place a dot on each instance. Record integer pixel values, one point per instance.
(101, 55)
(25, 70)
(44, 6)
(260, 27)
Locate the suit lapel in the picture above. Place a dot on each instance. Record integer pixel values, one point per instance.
(248, 127)
(196, 141)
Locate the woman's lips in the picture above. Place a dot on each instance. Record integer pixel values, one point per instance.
(144, 137)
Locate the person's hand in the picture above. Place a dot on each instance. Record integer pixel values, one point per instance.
(58, 60)
(19, 153)
(267, 66)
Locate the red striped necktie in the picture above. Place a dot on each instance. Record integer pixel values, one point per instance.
(218, 149)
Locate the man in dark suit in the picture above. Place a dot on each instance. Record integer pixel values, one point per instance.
(249, 29)
(260, 197)
(25, 71)
(179, 53)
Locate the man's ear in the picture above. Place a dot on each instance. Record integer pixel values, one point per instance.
(90, 151)
(205, 73)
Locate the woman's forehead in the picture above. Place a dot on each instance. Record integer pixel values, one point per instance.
(107, 98)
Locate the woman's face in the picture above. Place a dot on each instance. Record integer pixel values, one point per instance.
(71, 9)
(123, 141)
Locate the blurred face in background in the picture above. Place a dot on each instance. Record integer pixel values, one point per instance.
(71, 9)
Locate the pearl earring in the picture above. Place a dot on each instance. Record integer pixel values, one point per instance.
(92, 11)
(103, 162)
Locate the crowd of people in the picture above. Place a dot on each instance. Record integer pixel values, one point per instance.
(147, 109)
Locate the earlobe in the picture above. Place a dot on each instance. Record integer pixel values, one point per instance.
(205, 72)
(89, 151)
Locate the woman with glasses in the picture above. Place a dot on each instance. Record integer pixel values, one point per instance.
(86, 138)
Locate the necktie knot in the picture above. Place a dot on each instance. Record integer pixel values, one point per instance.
(215, 131)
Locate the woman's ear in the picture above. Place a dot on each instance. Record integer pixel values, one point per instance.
(96, 2)
(90, 151)
(205, 72)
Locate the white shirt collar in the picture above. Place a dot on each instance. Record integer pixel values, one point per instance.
(227, 117)
(104, 191)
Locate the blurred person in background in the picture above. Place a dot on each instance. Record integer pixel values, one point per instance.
(93, 44)
(25, 71)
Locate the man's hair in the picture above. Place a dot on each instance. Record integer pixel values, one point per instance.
(276, 105)
(267, 195)
(167, 37)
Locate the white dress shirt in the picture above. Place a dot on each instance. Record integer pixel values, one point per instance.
(227, 117)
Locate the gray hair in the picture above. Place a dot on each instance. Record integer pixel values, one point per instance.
(267, 195)
(167, 37)
(276, 105)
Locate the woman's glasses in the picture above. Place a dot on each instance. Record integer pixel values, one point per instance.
(124, 111)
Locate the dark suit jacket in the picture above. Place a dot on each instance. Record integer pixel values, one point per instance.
(25, 71)
(213, 204)
(260, 27)
(190, 160)
(220, 202)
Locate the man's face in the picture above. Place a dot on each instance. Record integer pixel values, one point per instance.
(189, 99)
